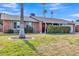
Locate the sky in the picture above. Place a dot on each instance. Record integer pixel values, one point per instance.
(67, 11)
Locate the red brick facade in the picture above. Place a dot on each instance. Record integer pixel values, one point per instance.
(77, 28)
(40, 27)
(6, 25)
(37, 26)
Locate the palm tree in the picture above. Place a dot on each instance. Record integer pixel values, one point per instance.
(21, 32)
(44, 14)
(51, 14)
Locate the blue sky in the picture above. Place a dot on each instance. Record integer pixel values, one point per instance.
(67, 11)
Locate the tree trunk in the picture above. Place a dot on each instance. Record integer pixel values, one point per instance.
(21, 32)
(44, 14)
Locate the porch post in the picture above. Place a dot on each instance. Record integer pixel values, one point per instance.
(73, 28)
(40, 27)
(45, 27)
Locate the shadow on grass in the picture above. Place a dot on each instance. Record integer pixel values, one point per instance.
(31, 46)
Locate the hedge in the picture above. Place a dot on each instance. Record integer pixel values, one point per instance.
(58, 29)
(28, 30)
(10, 31)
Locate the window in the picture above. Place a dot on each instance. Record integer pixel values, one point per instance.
(61, 24)
(16, 24)
(49, 24)
(55, 24)
(30, 24)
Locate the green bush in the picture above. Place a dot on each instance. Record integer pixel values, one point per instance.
(58, 29)
(28, 30)
(10, 31)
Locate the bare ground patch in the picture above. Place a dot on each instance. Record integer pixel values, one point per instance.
(59, 48)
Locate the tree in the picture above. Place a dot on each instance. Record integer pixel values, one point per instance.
(44, 10)
(32, 14)
(51, 13)
(44, 14)
(21, 32)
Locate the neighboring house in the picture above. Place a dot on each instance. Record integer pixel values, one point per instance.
(37, 23)
(77, 26)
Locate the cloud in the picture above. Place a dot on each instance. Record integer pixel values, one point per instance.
(2, 9)
(57, 6)
(67, 19)
(9, 8)
(12, 13)
(10, 5)
(75, 15)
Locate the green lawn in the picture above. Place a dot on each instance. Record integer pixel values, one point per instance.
(41, 44)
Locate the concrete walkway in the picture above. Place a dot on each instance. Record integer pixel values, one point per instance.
(1, 32)
(76, 33)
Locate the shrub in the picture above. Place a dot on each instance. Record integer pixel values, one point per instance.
(58, 29)
(10, 31)
(28, 30)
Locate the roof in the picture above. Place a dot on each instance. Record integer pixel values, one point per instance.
(34, 19)
(15, 17)
(52, 20)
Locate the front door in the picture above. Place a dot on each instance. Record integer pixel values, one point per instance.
(43, 28)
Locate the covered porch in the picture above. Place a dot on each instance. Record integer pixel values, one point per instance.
(42, 26)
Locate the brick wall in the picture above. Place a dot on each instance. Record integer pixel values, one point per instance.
(6, 25)
(77, 28)
(37, 26)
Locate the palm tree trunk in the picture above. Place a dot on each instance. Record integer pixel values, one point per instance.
(44, 14)
(51, 13)
(21, 32)
(45, 25)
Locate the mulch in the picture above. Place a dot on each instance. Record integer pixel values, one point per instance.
(17, 38)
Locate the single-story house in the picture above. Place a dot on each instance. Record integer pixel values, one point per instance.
(37, 23)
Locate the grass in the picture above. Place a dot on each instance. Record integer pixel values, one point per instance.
(41, 44)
